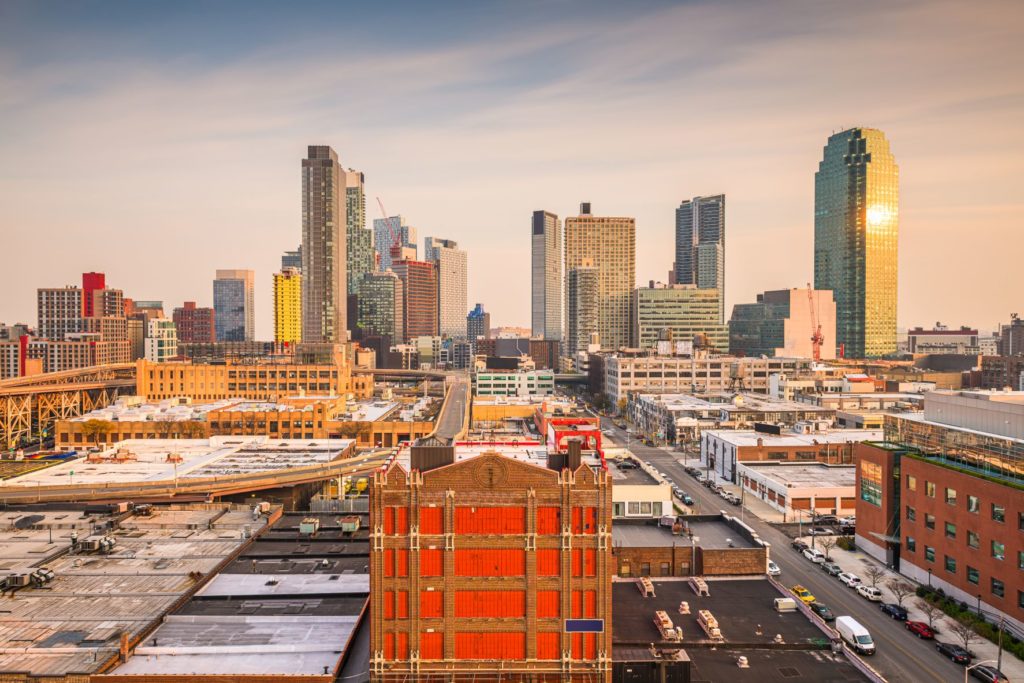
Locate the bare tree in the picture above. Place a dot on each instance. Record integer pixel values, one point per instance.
(827, 544)
(900, 589)
(930, 611)
(874, 574)
(965, 631)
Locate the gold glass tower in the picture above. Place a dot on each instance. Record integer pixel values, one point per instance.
(288, 306)
(856, 234)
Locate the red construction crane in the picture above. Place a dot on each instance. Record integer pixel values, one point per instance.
(817, 338)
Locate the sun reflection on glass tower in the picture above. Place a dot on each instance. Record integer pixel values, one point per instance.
(856, 231)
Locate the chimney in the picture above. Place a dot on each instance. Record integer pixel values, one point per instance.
(430, 455)
(574, 458)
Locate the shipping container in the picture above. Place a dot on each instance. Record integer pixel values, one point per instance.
(431, 604)
(485, 604)
(549, 645)
(548, 521)
(431, 645)
(548, 604)
(490, 520)
(548, 560)
(490, 646)
(431, 562)
(487, 562)
(431, 521)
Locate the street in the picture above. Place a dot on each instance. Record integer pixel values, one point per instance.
(900, 657)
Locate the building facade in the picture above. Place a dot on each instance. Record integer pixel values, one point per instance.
(92, 282)
(700, 246)
(288, 306)
(856, 236)
(360, 256)
(324, 246)
(292, 259)
(234, 305)
(515, 383)
(941, 339)
(59, 311)
(381, 306)
(478, 323)
(676, 313)
(783, 322)
(582, 306)
(609, 244)
(385, 232)
(212, 382)
(546, 275)
(419, 298)
(195, 325)
(161, 341)
(452, 281)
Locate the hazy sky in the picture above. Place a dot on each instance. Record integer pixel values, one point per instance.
(158, 142)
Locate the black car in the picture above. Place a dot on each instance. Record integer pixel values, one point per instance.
(989, 674)
(847, 529)
(826, 519)
(956, 653)
(822, 611)
(799, 546)
(894, 610)
(831, 568)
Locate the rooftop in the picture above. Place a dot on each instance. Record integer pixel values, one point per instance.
(772, 666)
(806, 475)
(749, 437)
(715, 534)
(526, 451)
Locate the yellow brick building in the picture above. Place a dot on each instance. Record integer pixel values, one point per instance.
(288, 306)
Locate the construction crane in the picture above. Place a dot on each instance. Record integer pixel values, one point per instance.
(817, 338)
(396, 236)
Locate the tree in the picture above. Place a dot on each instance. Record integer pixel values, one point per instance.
(622, 405)
(193, 430)
(900, 589)
(827, 544)
(874, 574)
(966, 630)
(94, 429)
(929, 610)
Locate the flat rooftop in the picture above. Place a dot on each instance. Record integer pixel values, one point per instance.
(771, 666)
(709, 534)
(805, 476)
(749, 437)
(147, 460)
(528, 451)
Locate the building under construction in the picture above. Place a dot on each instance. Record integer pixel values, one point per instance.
(491, 563)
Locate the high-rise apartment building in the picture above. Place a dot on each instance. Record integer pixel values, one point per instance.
(780, 324)
(546, 275)
(233, 304)
(161, 340)
(581, 304)
(610, 245)
(106, 302)
(381, 306)
(195, 324)
(700, 245)
(677, 313)
(59, 312)
(478, 323)
(1011, 337)
(292, 259)
(288, 306)
(91, 282)
(452, 282)
(419, 297)
(856, 235)
(358, 238)
(384, 234)
(324, 249)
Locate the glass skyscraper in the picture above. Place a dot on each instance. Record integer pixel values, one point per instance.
(856, 232)
(546, 275)
(358, 238)
(700, 246)
(234, 311)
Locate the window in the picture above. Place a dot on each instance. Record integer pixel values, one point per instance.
(1020, 521)
(972, 575)
(929, 553)
(1020, 559)
(929, 520)
(666, 569)
(911, 544)
(973, 540)
(911, 482)
(1020, 599)
(645, 569)
(950, 564)
(998, 513)
(973, 504)
(871, 483)
(998, 588)
(998, 550)
(950, 496)
(929, 489)
(950, 530)
(911, 514)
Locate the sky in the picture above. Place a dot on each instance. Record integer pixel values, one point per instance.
(158, 142)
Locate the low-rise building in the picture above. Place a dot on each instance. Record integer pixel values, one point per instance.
(800, 491)
(941, 339)
(514, 383)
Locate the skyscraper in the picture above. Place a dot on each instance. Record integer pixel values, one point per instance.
(452, 280)
(478, 323)
(292, 259)
(610, 244)
(856, 234)
(233, 305)
(384, 233)
(546, 275)
(324, 250)
(581, 305)
(419, 297)
(679, 312)
(779, 325)
(288, 306)
(381, 306)
(700, 245)
(358, 238)
(91, 282)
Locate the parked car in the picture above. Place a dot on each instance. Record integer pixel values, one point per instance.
(814, 555)
(956, 654)
(822, 611)
(869, 592)
(773, 569)
(894, 610)
(802, 593)
(989, 674)
(855, 635)
(687, 499)
(627, 465)
(848, 520)
(847, 529)
(820, 531)
(920, 629)
(851, 580)
(798, 546)
(832, 569)
(825, 519)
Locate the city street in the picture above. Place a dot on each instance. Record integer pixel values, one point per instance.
(900, 657)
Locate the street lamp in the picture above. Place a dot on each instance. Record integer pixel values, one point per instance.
(929, 577)
(976, 665)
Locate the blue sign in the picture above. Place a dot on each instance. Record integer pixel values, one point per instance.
(584, 625)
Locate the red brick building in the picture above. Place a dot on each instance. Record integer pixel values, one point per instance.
(420, 297)
(195, 324)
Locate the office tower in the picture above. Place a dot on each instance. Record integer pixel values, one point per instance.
(582, 307)
(478, 323)
(381, 306)
(288, 306)
(161, 340)
(234, 315)
(856, 234)
(700, 245)
(292, 259)
(59, 312)
(358, 238)
(324, 226)
(384, 235)
(195, 325)
(452, 280)
(546, 275)
(779, 325)
(610, 245)
(677, 313)
(91, 282)
(419, 297)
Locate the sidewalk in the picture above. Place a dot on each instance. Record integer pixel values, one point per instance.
(855, 562)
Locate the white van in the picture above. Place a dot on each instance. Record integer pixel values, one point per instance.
(785, 605)
(855, 635)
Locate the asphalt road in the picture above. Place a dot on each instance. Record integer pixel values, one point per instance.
(452, 420)
(900, 657)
